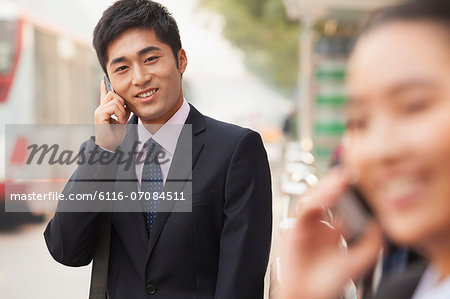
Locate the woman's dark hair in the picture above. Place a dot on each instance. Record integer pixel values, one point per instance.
(435, 11)
(128, 14)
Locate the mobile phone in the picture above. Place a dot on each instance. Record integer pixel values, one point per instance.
(109, 88)
(108, 83)
(354, 213)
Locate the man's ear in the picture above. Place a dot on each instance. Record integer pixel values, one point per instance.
(182, 61)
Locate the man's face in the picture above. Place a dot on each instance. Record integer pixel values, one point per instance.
(398, 130)
(144, 72)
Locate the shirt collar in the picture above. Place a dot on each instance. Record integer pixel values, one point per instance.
(431, 285)
(167, 135)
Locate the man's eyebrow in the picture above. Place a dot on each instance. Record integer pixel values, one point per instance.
(139, 53)
(117, 60)
(148, 49)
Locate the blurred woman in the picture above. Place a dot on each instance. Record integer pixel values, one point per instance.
(398, 148)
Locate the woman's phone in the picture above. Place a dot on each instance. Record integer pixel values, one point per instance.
(354, 213)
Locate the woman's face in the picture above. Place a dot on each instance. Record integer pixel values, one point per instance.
(399, 128)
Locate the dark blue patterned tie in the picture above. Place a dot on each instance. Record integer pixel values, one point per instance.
(152, 182)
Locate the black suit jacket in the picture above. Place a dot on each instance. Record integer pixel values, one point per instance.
(219, 250)
(402, 286)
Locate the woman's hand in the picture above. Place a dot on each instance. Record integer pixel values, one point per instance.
(313, 264)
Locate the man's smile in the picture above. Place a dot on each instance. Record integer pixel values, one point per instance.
(147, 95)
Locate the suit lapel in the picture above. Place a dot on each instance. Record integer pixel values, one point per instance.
(180, 170)
(127, 182)
(401, 285)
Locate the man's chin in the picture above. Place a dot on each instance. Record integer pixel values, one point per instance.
(152, 118)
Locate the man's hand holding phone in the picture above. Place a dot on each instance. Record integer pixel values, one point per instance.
(110, 132)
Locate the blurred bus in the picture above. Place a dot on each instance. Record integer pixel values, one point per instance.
(48, 75)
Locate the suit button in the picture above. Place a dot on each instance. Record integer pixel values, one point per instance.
(151, 289)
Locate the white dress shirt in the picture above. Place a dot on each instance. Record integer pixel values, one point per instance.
(167, 136)
(431, 286)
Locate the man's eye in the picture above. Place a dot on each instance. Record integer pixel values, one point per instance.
(120, 68)
(153, 58)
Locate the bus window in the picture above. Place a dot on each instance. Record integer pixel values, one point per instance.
(7, 45)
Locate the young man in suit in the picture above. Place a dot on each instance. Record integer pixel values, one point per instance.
(218, 250)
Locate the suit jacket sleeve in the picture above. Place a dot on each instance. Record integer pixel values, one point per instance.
(71, 236)
(246, 235)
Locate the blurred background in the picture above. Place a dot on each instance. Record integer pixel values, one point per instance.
(276, 66)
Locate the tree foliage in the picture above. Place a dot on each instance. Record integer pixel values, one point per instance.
(269, 40)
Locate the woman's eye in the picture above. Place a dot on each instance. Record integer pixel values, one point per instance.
(415, 105)
(356, 124)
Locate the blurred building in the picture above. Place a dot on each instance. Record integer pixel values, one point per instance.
(328, 31)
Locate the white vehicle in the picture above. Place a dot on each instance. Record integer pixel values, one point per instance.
(48, 75)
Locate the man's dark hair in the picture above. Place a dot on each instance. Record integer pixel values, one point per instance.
(128, 14)
(434, 11)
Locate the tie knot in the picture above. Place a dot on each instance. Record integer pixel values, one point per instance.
(152, 145)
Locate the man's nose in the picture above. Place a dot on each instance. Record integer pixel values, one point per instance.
(140, 77)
